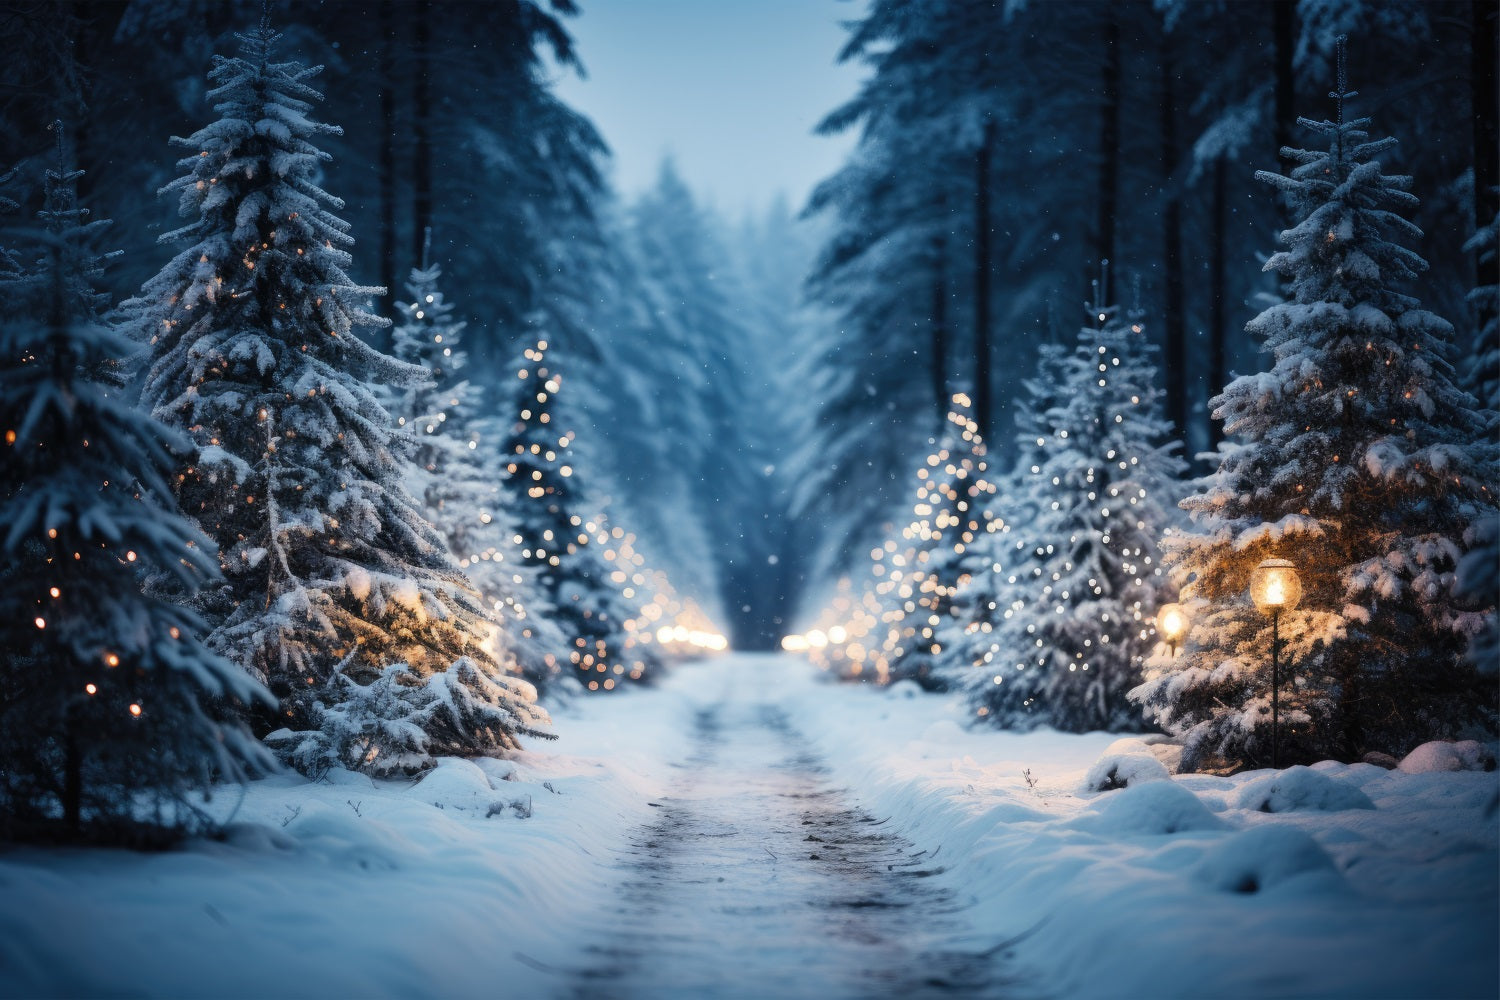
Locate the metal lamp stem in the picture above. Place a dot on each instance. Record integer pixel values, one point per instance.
(1276, 689)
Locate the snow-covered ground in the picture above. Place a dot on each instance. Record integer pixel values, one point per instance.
(656, 848)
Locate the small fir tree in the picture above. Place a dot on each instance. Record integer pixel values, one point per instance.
(1358, 457)
(113, 714)
(454, 476)
(951, 513)
(561, 545)
(968, 639)
(1072, 639)
(330, 567)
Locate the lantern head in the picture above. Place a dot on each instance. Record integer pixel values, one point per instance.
(1172, 623)
(1275, 586)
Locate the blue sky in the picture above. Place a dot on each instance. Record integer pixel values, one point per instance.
(730, 88)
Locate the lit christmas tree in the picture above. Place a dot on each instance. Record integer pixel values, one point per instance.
(1358, 458)
(916, 583)
(456, 474)
(1070, 643)
(841, 639)
(967, 636)
(563, 547)
(332, 573)
(113, 714)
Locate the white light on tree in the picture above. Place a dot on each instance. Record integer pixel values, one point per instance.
(1172, 623)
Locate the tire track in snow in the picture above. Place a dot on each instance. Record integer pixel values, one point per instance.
(759, 879)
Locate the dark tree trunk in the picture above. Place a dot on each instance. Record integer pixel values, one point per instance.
(72, 791)
(1109, 148)
(1485, 113)
(1283, 42)
(1218, 363)
(421, 141)
(982, 379)
(939, 325)
(387, 155)
(1174, 354)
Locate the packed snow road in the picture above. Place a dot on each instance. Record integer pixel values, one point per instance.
(759, 878)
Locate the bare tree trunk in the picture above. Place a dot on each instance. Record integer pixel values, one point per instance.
(1485, 112)
(1109, 148)
(387, 155)
(939, 327)
(1283, 42)
(982, 379)
(421, 140)
(1218, 364)
(72, 790)
(1174, 354)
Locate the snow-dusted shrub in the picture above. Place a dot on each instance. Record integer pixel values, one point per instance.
(1443, 755)
(1260, 858)
(1299, 789)
(1123, 764)
(1156, 807)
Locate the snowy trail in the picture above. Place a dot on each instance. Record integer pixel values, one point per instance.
(758, 878)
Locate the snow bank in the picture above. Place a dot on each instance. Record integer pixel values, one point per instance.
(466, 883)
(1180, 886)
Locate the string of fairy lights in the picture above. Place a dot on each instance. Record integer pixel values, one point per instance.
(911, 583)
(661, 622)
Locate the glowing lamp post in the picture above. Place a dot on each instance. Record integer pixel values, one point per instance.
(1275, 587)
(1172, 623)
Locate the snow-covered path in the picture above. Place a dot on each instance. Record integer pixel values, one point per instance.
(758, 878)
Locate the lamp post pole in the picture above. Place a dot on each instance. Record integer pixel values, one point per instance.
(1274, 588)
(1276, 689)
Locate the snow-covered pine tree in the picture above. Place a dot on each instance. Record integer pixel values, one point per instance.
(113, 714)
(1482, 376)
(1479, 571)
(558, 541)
(950, 512)
(1078, 624)
(330, 567)
(455, 473)
(981, 606)
(1357, 457)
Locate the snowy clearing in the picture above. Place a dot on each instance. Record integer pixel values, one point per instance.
(945, 860)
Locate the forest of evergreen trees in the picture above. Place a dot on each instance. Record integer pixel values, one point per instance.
(392, 542)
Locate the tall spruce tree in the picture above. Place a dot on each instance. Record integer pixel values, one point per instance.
(1357, 457)
(559, 540)
(333, 577)
(455, 476)
(1077, 627)
(113, 715)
